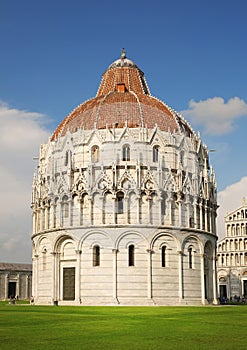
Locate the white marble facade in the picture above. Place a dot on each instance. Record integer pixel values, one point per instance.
(232, 256)
(124, 215)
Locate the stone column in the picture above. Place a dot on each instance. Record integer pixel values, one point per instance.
(210, 219)
(159, 199)
(150, 289)
(179, 201)
(70, 211)
(215, 301)
(26, 294)
(34, 222)
(60, 208)
(229, 284)
(17, 293)
(40, 219)
(149, 203)
(169, 206)
(78, 277)
(6, 286)
(206, 218)
(187, 205)
(195, 214)
(126, 209)
(91, 214)
(54, 291)
(52, 216)
(180, 275)
(138, 199)
(35, 276)
(213, 220)
(102, 219)
(114, 211)
(114, 276)
(202, 280)
(45, 214)
(201, 217)
(79, 211)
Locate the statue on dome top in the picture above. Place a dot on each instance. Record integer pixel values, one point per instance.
(123, 54)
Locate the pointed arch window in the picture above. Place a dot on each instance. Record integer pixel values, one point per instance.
(120, 203)
(164, 256)
(67, 158)
(95, 154)
(96, 255)
(131, 252)
(65, 207)
(155, 154)
(126, 153)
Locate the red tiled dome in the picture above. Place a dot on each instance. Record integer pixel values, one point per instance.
(123, 98)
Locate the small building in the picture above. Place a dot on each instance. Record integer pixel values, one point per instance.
(15, 281)
(232, 255)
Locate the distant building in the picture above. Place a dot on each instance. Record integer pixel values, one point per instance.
(232, 255)
(15, 281)
(124, 203)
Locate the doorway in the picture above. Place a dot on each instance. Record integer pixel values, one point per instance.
(12, 290)
(69, 283)
(223, 291)
(245, 289)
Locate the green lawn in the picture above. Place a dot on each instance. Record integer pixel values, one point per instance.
(112, 328)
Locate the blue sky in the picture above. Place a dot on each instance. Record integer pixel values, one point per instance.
(53, 53)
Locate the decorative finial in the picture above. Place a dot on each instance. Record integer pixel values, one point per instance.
(123, 54)
(244, 201)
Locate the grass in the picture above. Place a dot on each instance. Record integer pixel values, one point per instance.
(116, 328)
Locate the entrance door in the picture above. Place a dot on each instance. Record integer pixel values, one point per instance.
(223, 291)
(245, 288)
(69, 283)
(12, 290)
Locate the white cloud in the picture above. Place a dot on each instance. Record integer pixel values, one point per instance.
(21, 133)
(230, 199)
(216, 115)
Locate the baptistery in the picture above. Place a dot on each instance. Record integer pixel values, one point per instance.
(124, 203)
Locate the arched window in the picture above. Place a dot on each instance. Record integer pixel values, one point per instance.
(190, 258)
(191, 222)
(155, 153)
(163, 256)
(66, 159)
(182, 157)
(95, 154)
(126, 152)
(131, 251)
(237, 259)
(65, 207)
(96, 255)
(120, 204)
(222, 260)
(65, 210)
